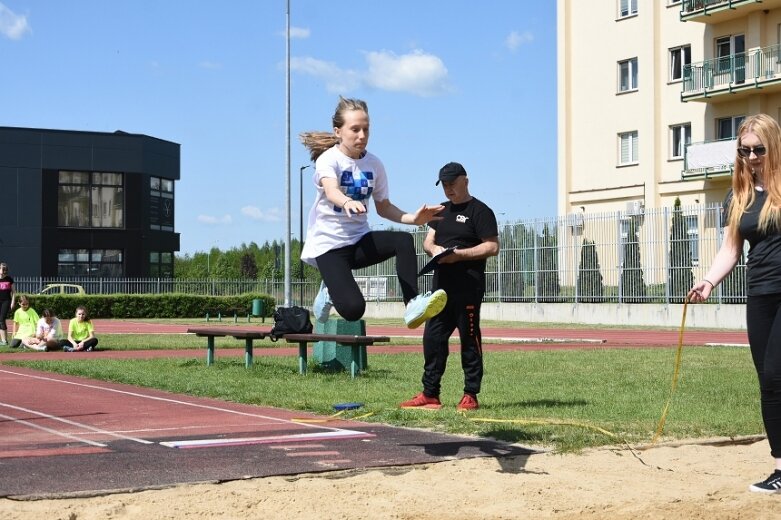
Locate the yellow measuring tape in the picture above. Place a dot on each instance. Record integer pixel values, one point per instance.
(676, 372)
(334, 417)
(557, 422)
(662, 419)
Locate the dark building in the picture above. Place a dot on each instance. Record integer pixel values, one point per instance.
(87, 203)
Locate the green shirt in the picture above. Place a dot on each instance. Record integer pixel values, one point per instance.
(26, 322)
(80, 330)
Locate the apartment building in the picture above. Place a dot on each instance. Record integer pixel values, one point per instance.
(650, 94)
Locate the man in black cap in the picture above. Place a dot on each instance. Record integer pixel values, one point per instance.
(469, 226)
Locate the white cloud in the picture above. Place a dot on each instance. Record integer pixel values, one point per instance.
(12, 25)
(215, 221)
(516, 39)
(336, 80)
(255, 213)
(416, 73)
(299, 32)
(210, 65)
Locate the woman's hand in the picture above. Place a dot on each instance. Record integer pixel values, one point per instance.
(700, 292)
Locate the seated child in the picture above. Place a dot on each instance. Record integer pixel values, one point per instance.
(48, 335)
(25, 321)
(81, 333)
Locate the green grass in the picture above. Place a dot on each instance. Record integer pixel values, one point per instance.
(622, 391)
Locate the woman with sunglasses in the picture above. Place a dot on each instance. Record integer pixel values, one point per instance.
(752, 211)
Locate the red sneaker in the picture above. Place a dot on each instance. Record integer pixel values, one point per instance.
(422, 401)
(468, 402)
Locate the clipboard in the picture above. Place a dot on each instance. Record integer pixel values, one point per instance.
(432, 264)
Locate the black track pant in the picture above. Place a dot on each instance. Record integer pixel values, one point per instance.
(763, 320)
(374, 247)
(462, 312)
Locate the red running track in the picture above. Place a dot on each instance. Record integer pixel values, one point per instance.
(610, 337)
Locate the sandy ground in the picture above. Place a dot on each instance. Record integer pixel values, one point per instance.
(697, 480)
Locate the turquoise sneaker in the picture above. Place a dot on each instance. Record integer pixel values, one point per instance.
(423, 307)
(323, 304)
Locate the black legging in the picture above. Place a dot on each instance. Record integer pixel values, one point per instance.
(90, 343)
(374, 247)
(763, 322)
(5, 306)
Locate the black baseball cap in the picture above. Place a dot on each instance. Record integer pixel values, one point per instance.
(450, 171)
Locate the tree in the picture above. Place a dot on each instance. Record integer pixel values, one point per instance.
(632, 283)
(513, 282)
(680, 277)
(548, 286)
(590, 285)
(249, 267)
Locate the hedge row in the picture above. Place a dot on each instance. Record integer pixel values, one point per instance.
(151, 305)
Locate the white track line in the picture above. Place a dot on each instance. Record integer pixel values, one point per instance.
(180, 402)
(53, 432)
(72, 423)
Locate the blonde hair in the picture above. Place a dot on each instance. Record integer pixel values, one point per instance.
(319, 142)
(743, 181)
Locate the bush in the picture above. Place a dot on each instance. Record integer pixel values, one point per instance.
(151, 305)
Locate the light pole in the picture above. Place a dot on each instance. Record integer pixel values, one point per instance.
(301, 229)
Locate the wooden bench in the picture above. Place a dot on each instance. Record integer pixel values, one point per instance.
(355, 342)
(249, 335)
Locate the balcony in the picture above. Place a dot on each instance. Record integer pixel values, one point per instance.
(717, 11)
(739, 74)
(708, 159)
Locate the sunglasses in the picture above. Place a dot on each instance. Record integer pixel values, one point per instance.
(745, 151)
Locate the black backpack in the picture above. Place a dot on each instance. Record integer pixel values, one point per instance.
(290, 320)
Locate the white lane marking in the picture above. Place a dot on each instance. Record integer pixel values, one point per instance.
(53, 432)
(74, 423)
(313, 426)
(203, 443)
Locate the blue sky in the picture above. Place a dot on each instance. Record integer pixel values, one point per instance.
(445, 80)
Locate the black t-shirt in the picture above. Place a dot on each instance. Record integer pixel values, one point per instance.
(763, 267)
(6, 283)
(463, 225)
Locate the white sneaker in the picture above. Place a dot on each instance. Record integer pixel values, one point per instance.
(323, 304)
(423, 307)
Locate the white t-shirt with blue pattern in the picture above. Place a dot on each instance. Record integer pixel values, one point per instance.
(329, 227)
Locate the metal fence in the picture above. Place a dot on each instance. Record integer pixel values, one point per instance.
(638, 256)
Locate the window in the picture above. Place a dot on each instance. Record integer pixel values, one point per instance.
(624, 223)
(627, 148)
(161, 264)
(627, 8)
(727, 127)
(680, 57)
(680, 136)
(627, 75)
(90, 200)
(90, 262)
(161, 204)
(693, 234)
(731, 59)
